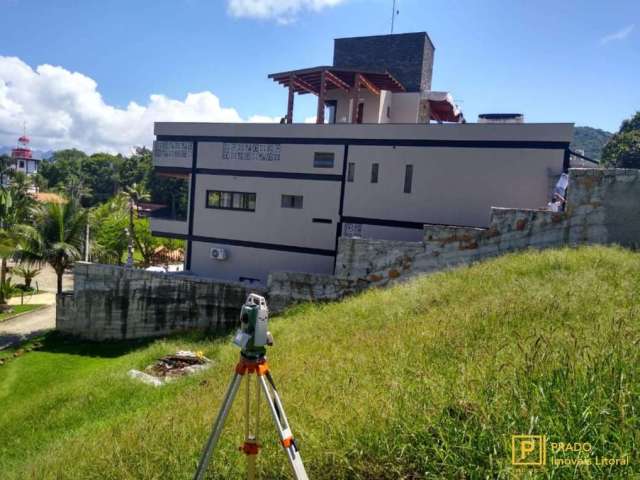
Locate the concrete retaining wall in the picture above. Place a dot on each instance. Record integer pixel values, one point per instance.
(603, 207)
(110, 302)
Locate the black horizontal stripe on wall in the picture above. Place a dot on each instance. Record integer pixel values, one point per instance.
(173, 170)
(264, 174)
(398, 223)
(249, 244)
(322, 220)
(525, 144)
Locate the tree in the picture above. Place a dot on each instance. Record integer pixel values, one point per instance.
(9, 241)
(27, 272)
(146, 243)
(20, 188)
(55, 238)
(75, 189)
(62, 165)
(108, 223)
(134, 194)
(623, 151)
(100, 174)
(631, 124)
(5, 161)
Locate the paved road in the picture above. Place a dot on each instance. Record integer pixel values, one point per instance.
(33, 323)
(27, 325)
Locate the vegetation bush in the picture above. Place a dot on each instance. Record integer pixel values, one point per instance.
(428, 379)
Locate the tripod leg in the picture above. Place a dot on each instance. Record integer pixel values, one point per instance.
(249, 438)
(217, 426)
(282, 424)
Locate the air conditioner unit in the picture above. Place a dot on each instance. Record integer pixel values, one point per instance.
(218, 253)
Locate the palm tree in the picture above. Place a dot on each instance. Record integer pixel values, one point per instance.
(56, 238)
(134, 194)
(8, 242)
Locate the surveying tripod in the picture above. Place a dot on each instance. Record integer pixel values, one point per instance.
(246, 367)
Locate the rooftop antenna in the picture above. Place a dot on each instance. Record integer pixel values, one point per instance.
(394, 12)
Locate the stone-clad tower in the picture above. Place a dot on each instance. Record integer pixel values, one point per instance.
(407, 56)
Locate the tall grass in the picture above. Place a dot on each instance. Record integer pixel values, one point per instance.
(424, 380)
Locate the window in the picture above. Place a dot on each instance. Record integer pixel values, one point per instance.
(231, 200)
(374, 172)
(331, 107)
(360, 116)
(323, 159)
(291, 201)
(351, 171)
(408, 178)
(21, 164)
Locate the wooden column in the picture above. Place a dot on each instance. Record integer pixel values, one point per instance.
(355, 94)
(321, 95)
(290, 101)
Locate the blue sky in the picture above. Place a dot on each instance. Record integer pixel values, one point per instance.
(568, 60)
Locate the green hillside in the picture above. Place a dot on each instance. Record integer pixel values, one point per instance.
(591, 140)
(428, 379)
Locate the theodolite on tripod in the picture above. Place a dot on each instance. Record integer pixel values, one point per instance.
(252, 338)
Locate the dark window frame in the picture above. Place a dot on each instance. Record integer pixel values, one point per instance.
(351, 172)
(232, 193)
(318, 160)
(408, 178)
(375, 172)
(293, 203)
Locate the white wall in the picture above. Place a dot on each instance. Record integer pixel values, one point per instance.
(455, 186)
(270, 223)
(405, 107)
(293, 158)
(254, 263)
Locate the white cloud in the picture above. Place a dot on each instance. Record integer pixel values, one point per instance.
(619, 35)
(64, 109)
(283, 11)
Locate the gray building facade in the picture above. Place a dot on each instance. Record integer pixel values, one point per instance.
(267, 197)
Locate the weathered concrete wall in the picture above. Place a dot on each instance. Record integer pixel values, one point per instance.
(603, 207)
(286, 288)
(112, 302)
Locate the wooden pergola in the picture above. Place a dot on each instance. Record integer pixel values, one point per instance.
(318, 80)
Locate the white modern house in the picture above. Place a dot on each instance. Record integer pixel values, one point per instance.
(276, 197)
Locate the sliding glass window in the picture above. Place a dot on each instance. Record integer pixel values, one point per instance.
(231, 200)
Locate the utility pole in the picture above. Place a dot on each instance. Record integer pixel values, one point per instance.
(86, 243)
(394, 12)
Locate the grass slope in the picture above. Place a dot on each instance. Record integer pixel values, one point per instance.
(424, 380)
(19, 310)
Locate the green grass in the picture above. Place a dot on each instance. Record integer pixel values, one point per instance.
(19, 309)
(424, 380)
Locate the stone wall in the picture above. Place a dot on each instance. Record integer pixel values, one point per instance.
(603, 207)
(285, 288)
(110, 302)
(407, 56)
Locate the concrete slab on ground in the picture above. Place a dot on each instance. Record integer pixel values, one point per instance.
(45, 298)
(28, 325)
